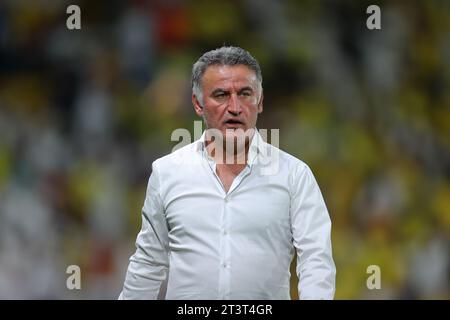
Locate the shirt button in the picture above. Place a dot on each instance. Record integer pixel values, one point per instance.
(226, 199)
(224, 265)
(224, 232)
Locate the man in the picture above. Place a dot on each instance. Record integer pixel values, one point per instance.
(223, 216)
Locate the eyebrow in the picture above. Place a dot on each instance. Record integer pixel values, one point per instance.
(246, 88)
(220, 90)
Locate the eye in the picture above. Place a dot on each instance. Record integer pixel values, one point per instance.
(220, 95)
(246, 93)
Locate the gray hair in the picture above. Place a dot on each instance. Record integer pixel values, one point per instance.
(223, 56)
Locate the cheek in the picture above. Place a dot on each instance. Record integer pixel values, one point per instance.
(252, 111)
(213, 113)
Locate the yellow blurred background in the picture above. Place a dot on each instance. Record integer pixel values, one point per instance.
(83, 113)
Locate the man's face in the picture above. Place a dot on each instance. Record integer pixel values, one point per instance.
(232, 98)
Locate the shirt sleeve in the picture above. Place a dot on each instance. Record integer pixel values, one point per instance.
(311, 231)
(148, 267)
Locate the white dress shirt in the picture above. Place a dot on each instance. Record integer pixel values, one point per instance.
(199, 242)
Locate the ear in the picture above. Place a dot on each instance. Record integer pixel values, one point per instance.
(197, 106)
(260, 103)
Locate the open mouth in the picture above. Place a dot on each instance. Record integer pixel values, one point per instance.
(232, 122)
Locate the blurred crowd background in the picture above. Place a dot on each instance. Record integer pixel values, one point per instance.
(83, 113)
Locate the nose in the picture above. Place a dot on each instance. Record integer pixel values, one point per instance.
(234, 106)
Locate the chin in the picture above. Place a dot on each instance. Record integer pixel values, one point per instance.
(236, 135)
(233, 131)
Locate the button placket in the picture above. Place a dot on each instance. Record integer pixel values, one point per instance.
(225, 248)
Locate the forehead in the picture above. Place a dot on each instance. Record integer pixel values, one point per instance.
(222, 75)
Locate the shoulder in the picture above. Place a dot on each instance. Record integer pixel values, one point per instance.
(289, 162)
(295, 172)
(178, 158)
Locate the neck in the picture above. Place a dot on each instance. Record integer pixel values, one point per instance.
(232, 151)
